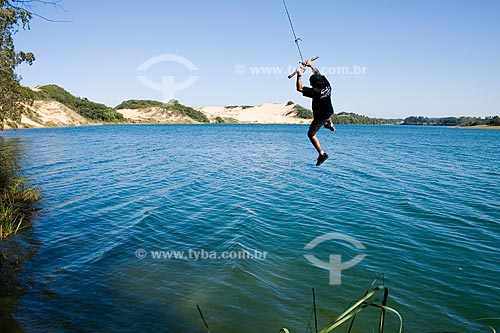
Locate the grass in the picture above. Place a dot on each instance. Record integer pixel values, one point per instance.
(10, 220)
(17, 195)
(16, 206)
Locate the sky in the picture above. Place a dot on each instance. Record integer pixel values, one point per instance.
(385, 58)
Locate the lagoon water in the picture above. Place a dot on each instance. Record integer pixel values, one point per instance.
(422, 201)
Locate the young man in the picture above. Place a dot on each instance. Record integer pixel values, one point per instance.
(321, 106)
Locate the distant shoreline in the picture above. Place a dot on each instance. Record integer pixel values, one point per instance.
(478, 127)
(483, 127)
(53, 106)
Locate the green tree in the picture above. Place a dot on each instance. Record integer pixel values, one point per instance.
(495, 121)
(14, 98)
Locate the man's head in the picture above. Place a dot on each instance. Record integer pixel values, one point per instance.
(318, 81)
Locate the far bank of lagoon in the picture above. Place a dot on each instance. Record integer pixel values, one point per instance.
(479, 127)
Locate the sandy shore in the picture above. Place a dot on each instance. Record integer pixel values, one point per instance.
(484, 127)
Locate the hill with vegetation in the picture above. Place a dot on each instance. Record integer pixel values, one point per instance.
(139, 104)
(299, 111)
(162, 111)
(84, 107)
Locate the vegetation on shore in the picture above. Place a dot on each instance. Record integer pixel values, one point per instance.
(173, 106)
(353, 118)
(342, 118)
(14, 98)
(299, 111)
(17, 195)
(225, 120)
(452, 121)
(88, 109)
(187, 111)
(139, 104)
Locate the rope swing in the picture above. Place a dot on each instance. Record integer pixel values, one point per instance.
(296, 40)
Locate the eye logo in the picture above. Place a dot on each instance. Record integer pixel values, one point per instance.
(335, 266)
(167, 86)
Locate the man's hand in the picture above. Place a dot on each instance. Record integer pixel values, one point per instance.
(309, 63)
(299, 70)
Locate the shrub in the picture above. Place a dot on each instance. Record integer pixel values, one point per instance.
(139, 104)
(300, 112)
(17, 196)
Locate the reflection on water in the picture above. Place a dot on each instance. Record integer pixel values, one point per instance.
(15, 251)
(15, 254)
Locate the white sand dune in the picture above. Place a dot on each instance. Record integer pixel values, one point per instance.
(51, 114)
(154, 115)
(266, 113)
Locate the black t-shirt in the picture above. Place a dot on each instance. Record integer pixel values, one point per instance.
(321, 101)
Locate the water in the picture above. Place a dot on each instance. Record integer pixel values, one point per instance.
(424, 202)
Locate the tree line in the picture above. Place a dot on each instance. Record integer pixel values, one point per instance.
(452, 121)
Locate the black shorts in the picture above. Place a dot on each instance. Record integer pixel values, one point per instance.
(316, 125)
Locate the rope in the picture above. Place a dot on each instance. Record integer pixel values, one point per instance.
(293, 31)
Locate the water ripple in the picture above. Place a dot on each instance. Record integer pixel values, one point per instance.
(423, 202)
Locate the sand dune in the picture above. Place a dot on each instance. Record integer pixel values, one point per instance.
(51, 114)
(266, 113)
(154, 115)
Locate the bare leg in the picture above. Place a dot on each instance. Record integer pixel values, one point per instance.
(315, 141)
(311, 134)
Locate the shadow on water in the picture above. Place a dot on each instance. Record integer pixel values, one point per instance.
(16, 250)
(15, 253)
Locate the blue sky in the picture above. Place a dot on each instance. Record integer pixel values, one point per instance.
(415, 57)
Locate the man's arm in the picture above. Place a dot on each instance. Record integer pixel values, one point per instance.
(299, 78)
